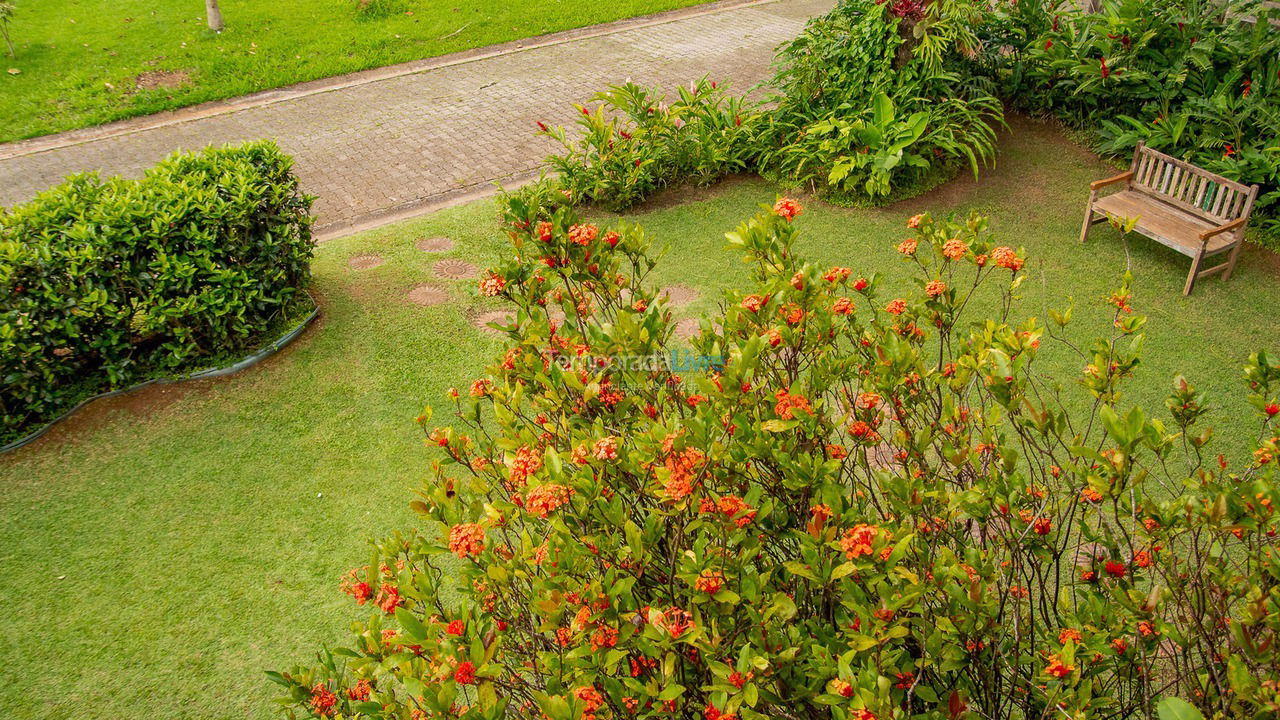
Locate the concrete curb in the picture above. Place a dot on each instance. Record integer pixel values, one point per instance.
(422, 206)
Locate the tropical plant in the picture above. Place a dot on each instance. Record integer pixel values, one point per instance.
(867, 107)
(633, 143)
(850, 501)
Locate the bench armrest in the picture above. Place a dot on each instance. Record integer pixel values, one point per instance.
(1111, 180)
(1238, 222)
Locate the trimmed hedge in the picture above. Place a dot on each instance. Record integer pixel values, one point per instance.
(105, 283)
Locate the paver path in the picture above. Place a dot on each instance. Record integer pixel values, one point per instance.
(375, 148)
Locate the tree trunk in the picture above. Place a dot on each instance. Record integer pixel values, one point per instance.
(4, 28)
(215, 15)
(909, 19)
(907, 31)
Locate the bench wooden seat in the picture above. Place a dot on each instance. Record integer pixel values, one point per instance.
(1180, 206)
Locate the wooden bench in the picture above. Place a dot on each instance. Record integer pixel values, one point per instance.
(1178, 205)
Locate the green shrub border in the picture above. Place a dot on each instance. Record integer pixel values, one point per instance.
(243, 364)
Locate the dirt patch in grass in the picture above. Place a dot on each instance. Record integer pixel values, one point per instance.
(427, 295)
(1031, 184)
(678, 195)
(365, 261)
(1258, 255)
(434, 244)
(148, 403)
(162, 79)
(140, 405)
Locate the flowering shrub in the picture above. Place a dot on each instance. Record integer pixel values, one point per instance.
(867, 507)
(633, 143)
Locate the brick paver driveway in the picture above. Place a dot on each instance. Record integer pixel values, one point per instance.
(375, 148)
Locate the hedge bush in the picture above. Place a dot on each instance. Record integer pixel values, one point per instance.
(105, 283)
(857, 501)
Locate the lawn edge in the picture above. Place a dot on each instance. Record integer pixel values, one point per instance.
(141, 123)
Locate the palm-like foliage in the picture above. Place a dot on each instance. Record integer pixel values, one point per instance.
(851, 122)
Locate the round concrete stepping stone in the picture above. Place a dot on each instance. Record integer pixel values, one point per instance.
(502, 317)
(427, 295)
(688, 328)
(365, 261)
(434, 244)
(456, 269)
(680, 295)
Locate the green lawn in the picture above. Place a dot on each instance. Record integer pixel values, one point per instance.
(85, 62)
(159, 553)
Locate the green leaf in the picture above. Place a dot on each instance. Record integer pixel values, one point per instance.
(671, 692)
(413, 627)
(1174, 708)
(881, 109)
(842, 570)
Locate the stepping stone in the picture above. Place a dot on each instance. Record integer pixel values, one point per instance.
(456, 269)
(680, 295)
(688, 328)
(502, 317)
(365, 261)
(427, 295)
(434, 244)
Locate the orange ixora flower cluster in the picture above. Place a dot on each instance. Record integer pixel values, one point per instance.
(546, 499)
(736, 509)
(954, 249)
(1057, 668)
(606, 449)
(838, 274)
(466, 540)
(527, 462)
(583, 234)
(754, 303)
(322, 700)
(857, 541)
(788, 403)
(492, 284)
(709, 582)
(786, 208)
(680, 468)
(1005, 257)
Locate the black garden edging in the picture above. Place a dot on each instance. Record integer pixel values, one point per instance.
(243, 364)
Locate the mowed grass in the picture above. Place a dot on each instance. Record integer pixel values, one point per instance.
(158, 554)
(86, 62)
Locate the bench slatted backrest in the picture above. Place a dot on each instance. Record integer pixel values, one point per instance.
(1186, 186)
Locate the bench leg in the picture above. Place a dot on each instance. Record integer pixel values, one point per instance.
(1088, 217)
(1195, 270)
(1231, 260)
